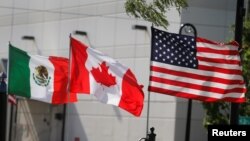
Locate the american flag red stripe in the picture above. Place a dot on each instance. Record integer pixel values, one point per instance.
(221, 70)
(219, 61)
(196, 86)
(196, 76)
(191, 96)
(218, 75)
(224, 52)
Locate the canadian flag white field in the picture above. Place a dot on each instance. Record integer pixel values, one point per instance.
(110, 82)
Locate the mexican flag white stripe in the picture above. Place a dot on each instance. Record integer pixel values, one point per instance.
(39, 91)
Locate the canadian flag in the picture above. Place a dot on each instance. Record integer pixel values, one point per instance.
(110, 82)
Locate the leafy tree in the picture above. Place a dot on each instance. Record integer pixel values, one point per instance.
(245, 108)
(153, 12)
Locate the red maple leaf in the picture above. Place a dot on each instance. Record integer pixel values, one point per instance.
(102, 75)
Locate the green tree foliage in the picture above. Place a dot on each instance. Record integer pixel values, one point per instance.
(216, 113)
(153, 12)
(245, 55)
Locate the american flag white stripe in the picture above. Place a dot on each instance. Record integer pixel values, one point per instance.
(210, 87)
(195, 92)
(218, 75)
(217, 51)
(187, 72)
(214, 55)
(196, 86)
(214, 46)
(194, 81)
(224, 66)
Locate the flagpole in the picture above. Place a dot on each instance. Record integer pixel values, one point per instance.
(69, 67)
(11, 112)
(189, 109)
(240, 12)
(142, 27)
(148, 107)
(65, 105)
(11, 120)
(7, 73)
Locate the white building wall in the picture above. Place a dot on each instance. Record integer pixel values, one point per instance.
(110, 30)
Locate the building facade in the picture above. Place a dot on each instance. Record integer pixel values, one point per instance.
(110, 30)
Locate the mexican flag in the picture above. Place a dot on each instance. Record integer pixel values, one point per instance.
(37, 77)
(95, 73)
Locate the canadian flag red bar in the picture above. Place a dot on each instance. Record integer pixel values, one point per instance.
(110, 82)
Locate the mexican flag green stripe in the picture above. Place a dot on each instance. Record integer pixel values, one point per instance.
(19, 66)
(38, 77)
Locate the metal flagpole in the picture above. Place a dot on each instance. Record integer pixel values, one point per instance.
(144, 28)
(188, 28)
(240, 12)
(148, 106)
(65, 105)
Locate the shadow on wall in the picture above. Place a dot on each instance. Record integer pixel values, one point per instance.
(197, 131)
(38, 121)
(30, 123)
(92, 121)
(74, 129)
(180, 122)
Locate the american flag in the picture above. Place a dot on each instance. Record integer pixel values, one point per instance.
(197, 69)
